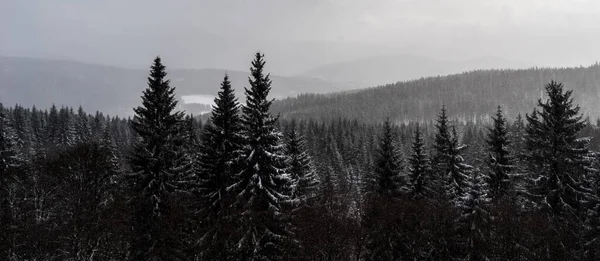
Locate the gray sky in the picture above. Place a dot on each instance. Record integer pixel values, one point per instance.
(297, 35)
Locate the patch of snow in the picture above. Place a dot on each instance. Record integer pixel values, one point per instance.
(202, 99)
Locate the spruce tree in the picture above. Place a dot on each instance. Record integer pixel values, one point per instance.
(441, 144)
(300, 166)
(418, 166)
(158, 166)
(500, 162)
(262, 186)
(218, 163)
(387, 178)
(448, 164)
(458, 171)
(66, 134)
(10, 161)
(82, 126)
(474, 219)
(517, 138)
(558, 158)
(52, 128)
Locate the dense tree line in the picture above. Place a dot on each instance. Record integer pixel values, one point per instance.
(470, 96)
(246, 185)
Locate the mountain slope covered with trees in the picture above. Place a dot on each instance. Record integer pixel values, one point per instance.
(248, 185)
(468, 96)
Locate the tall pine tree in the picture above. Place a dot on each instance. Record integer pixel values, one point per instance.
(158, 166)
(263, 186)
(458, 171)
(418, 166)
(557, 157)
(500, 163)
(300, 166)
(387, 176)
(441, 144)
(219, 157)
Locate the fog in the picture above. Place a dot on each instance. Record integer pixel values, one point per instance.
(298, 35)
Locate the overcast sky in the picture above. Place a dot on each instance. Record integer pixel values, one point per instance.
(297, 35)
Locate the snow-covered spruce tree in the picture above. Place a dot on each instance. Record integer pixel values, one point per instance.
(66, 134)
(263, 186)
(474, 219)
(500, 162)
(387, 185)
(448, 165)
(51, 130)
(458, 171)
(82, 126)
(300, 166)
(517, 140)
(158, 164)
(218, 163)
(439, 160)
(419, 168)
(10, 161)
(387, 179)
(557, 158)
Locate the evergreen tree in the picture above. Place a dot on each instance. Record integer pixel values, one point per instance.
(97, 126)
(458, 170)
(158, 166)
(558, 158)
(10, 161)
(82, 126)
(500, 163)
(517, 134)
(300, 166)
(262, 186)
(36, 119)
(66, 135)
(219, 156)
(419, 166)
(52, 130)
(388, 179)
(474, 219)
(441, 145)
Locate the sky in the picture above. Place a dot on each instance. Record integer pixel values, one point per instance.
(298, 35)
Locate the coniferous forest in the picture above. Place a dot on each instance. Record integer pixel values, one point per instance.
(247, 184)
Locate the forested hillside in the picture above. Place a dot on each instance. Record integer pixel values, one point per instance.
(247, 185)
(468, 96)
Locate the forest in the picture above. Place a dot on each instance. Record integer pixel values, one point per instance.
(330, 183)
(470, 96)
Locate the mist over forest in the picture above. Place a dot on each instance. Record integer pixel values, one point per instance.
(299, 130)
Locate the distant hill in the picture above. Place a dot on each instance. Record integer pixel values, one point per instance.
(113, 90)
(381, 70)
(469, 95)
